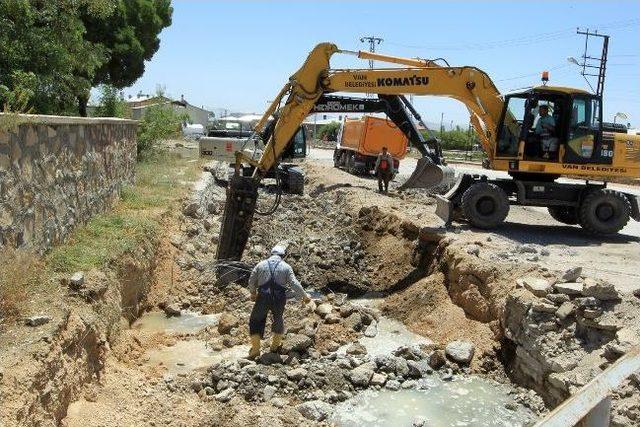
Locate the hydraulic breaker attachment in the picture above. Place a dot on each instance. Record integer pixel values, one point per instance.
(430, 176)
(242, 193)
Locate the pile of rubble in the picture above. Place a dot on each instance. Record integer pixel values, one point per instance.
(566, 330)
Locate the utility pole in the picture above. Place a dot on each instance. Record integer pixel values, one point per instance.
(372, 40)
(441, 124)
(590, 63)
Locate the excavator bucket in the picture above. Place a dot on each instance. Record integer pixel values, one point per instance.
(428, 175)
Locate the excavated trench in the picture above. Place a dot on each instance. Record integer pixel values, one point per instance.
(420, 285)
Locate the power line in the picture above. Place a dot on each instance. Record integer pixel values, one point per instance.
(520, 41)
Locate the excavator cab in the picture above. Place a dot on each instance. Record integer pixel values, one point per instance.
(576, 136)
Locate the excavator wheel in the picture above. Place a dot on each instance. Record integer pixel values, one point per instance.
(564, 214)
(604, 211)
(485, 205)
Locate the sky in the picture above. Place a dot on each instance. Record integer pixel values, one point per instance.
(238, 54)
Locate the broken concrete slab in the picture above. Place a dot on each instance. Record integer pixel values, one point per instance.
(569, 288)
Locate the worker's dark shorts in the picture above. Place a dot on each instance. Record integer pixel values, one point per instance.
(263, 305)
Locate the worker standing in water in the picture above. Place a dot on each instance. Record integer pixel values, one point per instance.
(268, 283)
(384, 170)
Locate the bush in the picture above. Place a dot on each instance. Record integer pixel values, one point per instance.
(329, 131)
(160, 122)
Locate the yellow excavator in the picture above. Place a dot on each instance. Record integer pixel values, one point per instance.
(570, 140)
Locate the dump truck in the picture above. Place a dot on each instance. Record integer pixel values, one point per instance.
(360, 140)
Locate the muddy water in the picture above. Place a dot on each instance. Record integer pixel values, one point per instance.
(188, 322)
(462, 402)
(187, 356)
(184, 355)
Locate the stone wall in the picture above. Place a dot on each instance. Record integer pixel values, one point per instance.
(57, 172)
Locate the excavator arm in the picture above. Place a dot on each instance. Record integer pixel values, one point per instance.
(314, 79)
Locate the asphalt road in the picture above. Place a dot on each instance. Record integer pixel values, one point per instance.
(614, 258)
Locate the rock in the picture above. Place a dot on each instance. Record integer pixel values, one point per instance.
(437, 359)
(361, 376)
(37, 320)
(571, 275)
(392, 385)
(401, 367)
(545, 252)
(347, 310)
(296, 342)
(537, 286)
(569, 288)
(172, 310)
(636, 293)
(270, 358)
(603, 291)
(354, 321)
(332, 318)
(473, 250)
(565, 310)
(410, 352)
(225, 395)
(432, 234)
(226, 323)
(315, 410)
(268, 392)
(543, 307)
(191, 209)
(420, 421)
(527, 249)
(378, 379)
(356, 348)
(76, 281)
(278, 402)
(296, 374)
(176, 241)
(558, 299)
(591, 313)
(418, 369)
(372, 330)
(324, 309)
(460, 351)
(207, 223)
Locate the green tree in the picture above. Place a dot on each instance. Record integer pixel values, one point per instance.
(111, 103)
(43, 53)
(129, 36)
(330, 131)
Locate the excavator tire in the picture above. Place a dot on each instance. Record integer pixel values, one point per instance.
(564, 214)
(485, 205)
(604, 211)
(351, 164)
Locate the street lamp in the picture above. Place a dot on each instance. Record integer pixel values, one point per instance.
(572, 60)
(620, 115)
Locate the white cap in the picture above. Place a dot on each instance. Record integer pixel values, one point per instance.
(278, 250)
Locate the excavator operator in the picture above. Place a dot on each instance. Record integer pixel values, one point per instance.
(544, 129)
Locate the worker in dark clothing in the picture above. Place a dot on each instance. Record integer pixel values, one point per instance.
(269, 282)
(384, 170)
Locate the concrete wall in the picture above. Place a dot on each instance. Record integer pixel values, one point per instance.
(57, 172)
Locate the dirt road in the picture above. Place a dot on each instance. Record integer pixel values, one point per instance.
(612, 258)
